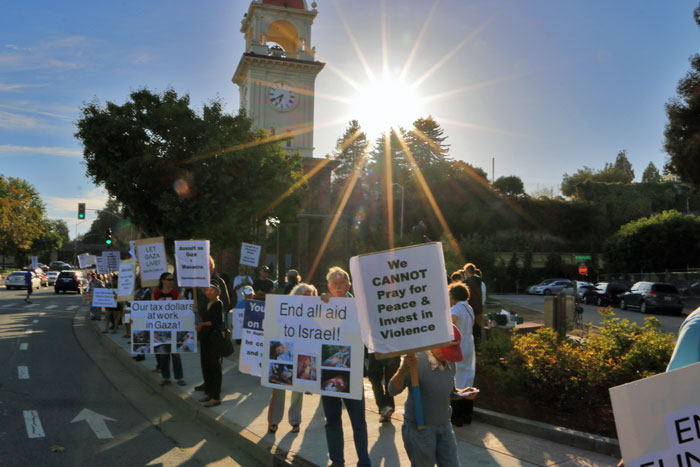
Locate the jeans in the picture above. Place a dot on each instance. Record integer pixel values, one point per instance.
(433, 445)
(164, 363)
(333, 410)
(379, 374)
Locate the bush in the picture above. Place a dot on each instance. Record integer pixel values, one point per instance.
(550, 378)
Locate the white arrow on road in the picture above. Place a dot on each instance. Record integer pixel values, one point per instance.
(96, 422)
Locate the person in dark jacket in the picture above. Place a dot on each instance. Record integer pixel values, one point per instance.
(211, 320)
(474, 283)
(224, 296)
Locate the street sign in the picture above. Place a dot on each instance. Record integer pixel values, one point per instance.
(582, 258)
(583, 270)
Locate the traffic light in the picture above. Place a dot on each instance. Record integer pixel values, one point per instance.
(108, 237)
(81, 210)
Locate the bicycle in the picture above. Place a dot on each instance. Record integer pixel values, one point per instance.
(578, 313)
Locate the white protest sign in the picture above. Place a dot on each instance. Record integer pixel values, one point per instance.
(127, 277)
(658, 419)
(102, 297)
(86, 260)
(402, 299)
(35, 262)
(101, 265)
(252, 339)
(111, 259)
(163, 326)
(192, 263)
(132, 248)
(312, 346)
(237, 319)
(250, 254)
(151, 257)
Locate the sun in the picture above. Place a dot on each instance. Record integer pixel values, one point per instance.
(385, 103)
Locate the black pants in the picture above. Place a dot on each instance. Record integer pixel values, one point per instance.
(379, 374)
(462, 410)
(211, 370)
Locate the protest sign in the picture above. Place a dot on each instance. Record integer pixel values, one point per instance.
(132, 249)
(35, 262)
(163, 326)
(86, 260)
(237, 319)
(127, 277)
(250, 254)
(151, 257)
(102, 297)
(658, 419)
(111, 259)
(192, 263)
(101, 265)
(312, 346)
(402, 300)
(252, 339)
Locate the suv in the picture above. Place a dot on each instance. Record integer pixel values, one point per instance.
(653, 296)
(70, 280)
(605, 294)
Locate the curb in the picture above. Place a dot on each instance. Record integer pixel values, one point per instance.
(263, 450)
(558, 434)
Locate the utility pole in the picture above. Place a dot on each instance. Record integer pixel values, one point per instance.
(493, 170)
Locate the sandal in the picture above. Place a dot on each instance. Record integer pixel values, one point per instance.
(212, 403)
(295, 428)
(205, 399)
(181, 382)
(272, 429)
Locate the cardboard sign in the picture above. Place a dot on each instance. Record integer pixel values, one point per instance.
(312, 346)
(86, 260)
(101, 265)
(151, 257)
(127, 278)
(112, 259)
(192, 263)
(102, 297)
(250, 254)
(35, 262)
(252, 340)
(163, 327)
(402, 300)
(237, 319)
(658, 419)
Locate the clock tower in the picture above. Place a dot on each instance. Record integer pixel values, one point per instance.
(277, 72)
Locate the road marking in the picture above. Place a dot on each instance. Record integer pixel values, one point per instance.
(96, 422)
(42, 313)
(72, 307)
(23, 372)
(31, 420)
(31, 305)
(28, 331)
(35, 321)
(51, 306)
(23, 346)
(7, 306)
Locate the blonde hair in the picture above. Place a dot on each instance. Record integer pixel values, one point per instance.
(302, 288)
(336, 271)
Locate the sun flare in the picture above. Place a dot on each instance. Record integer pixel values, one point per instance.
(385, 103)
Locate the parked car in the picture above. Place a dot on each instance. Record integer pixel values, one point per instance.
(653, 296)
(16, 281)
(70, 280)
(51, 275)
(582, 287)
(549, 287)
(56, 265)
(605, 294)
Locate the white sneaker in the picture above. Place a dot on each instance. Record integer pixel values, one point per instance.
(386, 413)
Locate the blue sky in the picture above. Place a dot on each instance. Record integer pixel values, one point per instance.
(544, 86)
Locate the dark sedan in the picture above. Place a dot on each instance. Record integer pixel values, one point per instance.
(653, 296)
(605, 294)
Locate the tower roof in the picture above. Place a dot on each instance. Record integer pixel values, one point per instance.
(298, 4)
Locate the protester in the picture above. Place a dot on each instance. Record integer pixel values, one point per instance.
(474, 283)
(339, 286)
(687, 349)
(293, 278)
(264, 275)
(463, 318)
(165, 291)
(30, 286)
(276, 408)
(95, 283)
(112, 315)
(263, 288)
(483, 287)
(435, 443)
(240, 281)
(379, 373)
(211, 320)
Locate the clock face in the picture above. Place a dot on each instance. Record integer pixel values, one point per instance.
(282, 97)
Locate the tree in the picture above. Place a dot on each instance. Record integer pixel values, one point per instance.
(349, 152)
(623, 166)
(426, 142)
(52, 237)
(571, 182)
(511, 185)
(651, 174)
(682, 131)
(21, 216)
(183, 174)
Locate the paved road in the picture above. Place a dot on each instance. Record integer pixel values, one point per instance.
(49, 377)
(590, 313)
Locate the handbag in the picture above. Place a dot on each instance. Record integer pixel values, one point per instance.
(222, 343)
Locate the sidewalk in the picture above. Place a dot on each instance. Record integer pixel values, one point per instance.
(243, 416)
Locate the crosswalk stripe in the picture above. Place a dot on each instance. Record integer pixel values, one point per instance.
(31, 305)
(33, 424)
(28, 331)
(23, 346)
(42, 313)
(72, 307)
(22, 372)
(35, 321)
(7, 306)
(51, 306)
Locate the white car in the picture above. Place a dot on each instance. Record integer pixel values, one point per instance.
(582, 287)
(52, 277)
(549, 287)
(16, 281)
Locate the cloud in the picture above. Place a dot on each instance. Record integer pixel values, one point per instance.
(48, 150)
(93, 199)
(57, 53)
(7, 87)
(41, 108)
(13, 121)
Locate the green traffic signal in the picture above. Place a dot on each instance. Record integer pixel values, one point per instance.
(108, 241)
(81, 210)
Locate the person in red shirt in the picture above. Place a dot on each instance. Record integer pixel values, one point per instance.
(165, 291)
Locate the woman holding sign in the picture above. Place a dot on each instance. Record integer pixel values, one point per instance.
(463, 318)
(211, 320)
(166, 291)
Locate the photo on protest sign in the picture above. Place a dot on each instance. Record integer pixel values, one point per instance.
(658, 418)
(252, 345)
(102, 297)
(312, 346)
(250, 254)
(86, 260)
(150, 253)
(127, 278)
(402, 299)
(163, 327)
(101, 265)
(112, 259)
(192, 263)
